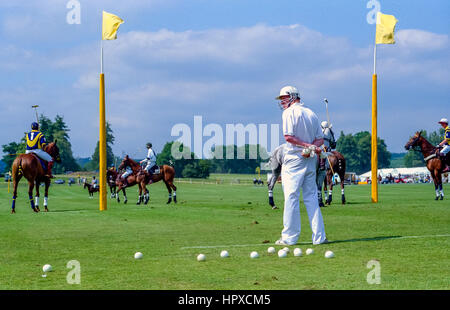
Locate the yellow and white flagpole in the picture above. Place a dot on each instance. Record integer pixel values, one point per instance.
(374, 161)
(110, 25)
(102, 139)
(384, 35)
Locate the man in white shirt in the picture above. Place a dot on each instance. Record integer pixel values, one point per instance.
(150, 160)
(303, 135)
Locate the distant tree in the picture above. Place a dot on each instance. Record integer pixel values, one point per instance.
(190, 167)
(357, 150)
(243, 159)
(10, 150)
(110, 159)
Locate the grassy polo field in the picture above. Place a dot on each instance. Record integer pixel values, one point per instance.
(407, 233)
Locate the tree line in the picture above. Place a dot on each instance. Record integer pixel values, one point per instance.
(356, 149)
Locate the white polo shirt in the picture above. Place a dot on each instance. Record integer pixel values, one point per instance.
(301, 122)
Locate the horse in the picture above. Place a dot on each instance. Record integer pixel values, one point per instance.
(29, 166)
(434, 163)
(275, 163)
(111, 177)
(166, 174)
(131, 179)
(91, 189)
(337, 165)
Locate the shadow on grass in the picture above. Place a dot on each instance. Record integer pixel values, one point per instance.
(366, 239)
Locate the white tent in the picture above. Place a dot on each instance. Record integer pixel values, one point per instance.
(417, 171)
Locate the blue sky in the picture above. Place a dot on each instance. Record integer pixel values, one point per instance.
(224, 60)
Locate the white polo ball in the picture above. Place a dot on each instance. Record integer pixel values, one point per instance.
(329, 254)
(309, 251)
(298, 252)
(271, 250)
(282, 253)
(254, 254)
(286, 249)
(224, 254)
(47, 268)
(138, 255)
(201, 257)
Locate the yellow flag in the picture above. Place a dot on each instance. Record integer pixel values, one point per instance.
(385, 29)
(111, 24)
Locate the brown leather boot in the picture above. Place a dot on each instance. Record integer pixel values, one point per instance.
(49, 169)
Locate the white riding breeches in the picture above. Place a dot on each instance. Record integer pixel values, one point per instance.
(150, 165)
(298, 173)
(40, 153)
(126, 174)
(445, 149)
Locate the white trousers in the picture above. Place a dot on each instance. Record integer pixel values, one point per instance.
(445, 149)
(40, 153)
(298, 173)
(150, 165)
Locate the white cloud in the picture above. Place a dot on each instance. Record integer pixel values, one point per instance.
(419, 39)
(157, 79)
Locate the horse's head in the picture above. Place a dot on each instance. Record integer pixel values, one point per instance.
(124, 163)
(413, 141)
(53, 150)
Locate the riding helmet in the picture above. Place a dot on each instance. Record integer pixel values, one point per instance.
(34, 126)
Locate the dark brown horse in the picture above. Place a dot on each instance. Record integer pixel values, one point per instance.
(434, 163)
(336, 165)
(111, 177)
(28, 166)
(166, 174)
(91, 189)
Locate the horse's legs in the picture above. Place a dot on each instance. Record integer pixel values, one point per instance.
(169, 189)
(140, 194)
(329, 181)
(436, 184)
(440, 189)
(30, 195)
(47, 185)
(342, 176)
(36, 202)
(125, 199)
(15, 184)
(174, 191)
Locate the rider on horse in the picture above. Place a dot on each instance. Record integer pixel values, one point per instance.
(150, 160)
(329, 143)
(35, 144)
(125, 175)
(94, 182)
(445, 143)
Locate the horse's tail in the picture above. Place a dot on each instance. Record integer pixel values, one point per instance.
(20, 169)
(17, 169)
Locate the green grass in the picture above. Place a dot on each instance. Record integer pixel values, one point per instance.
(233, 217)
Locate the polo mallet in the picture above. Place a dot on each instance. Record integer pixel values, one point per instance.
(326, 104)
(328, 120)
(35, 109)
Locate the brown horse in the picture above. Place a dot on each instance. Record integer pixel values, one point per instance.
(28, 166)
(434, 163)
(337, 165)
(166, 173)
(91, 189)
(131, 179)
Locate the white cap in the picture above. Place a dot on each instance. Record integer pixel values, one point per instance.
(443, 120)
(288, 91)
(324, 124)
